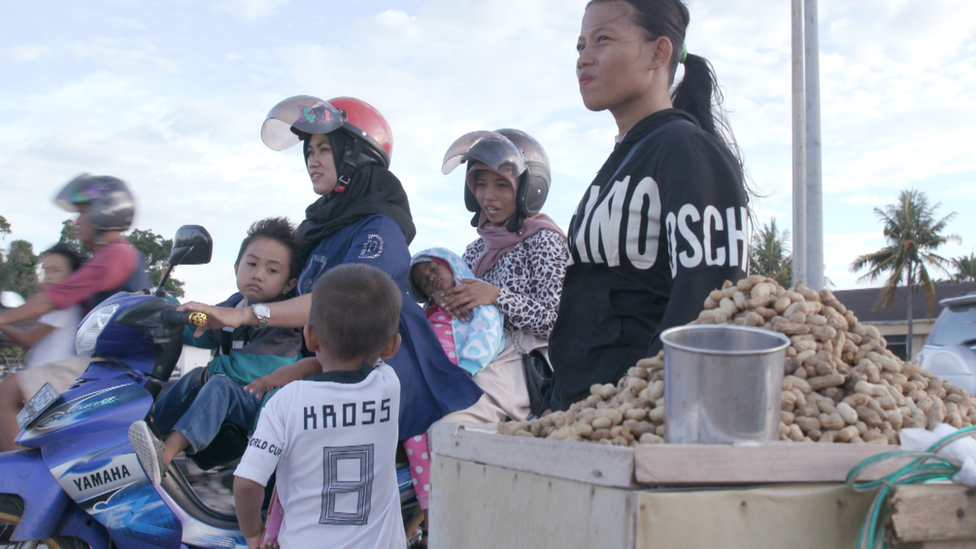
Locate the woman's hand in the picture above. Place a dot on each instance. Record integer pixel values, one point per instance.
(217, 317)
(459, 301)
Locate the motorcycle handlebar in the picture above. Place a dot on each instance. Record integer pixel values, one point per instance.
(170, 345)
(186, 318)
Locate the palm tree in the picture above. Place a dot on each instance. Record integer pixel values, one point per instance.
(913, 234)
(965, 268)
(769, 254)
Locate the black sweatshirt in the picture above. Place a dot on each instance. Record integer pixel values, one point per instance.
(646, 250)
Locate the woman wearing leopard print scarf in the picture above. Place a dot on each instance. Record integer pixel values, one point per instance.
(519, 261)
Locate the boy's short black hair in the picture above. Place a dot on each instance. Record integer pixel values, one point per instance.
(280, 229)
(355, 310)
(62, 249)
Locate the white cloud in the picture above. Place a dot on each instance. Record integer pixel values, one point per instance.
(172, 100)
(26, 53)
(250, 9)
(125, 23)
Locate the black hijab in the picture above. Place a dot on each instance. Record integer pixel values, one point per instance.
(372, 189)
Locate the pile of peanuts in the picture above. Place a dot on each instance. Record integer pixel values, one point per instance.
(841, 383)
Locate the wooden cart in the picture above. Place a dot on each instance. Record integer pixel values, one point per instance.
(491, 490)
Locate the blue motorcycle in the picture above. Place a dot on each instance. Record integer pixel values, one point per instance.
(79, 483)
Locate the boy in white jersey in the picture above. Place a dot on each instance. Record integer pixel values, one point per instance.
(333, 436)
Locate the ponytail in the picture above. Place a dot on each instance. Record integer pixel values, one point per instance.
(699, 95)
(694, 93)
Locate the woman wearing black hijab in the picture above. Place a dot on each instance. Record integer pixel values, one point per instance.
(362, 216)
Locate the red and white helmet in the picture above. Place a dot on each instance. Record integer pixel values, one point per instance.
(296, 118)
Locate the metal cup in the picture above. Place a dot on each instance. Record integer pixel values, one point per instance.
(722, 383)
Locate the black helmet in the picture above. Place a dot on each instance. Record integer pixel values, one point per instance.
(111, 206)
(296, 118)
(505, 150)
(534, 186)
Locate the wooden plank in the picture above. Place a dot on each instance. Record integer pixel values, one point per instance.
(476, 506)
(788, 462)
(788, 516)
(587, 462)
(933, 512)
(659, 464)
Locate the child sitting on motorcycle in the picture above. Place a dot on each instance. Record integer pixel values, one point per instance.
(105, 208)
(333, 436)
(53, 337)
(192, 412)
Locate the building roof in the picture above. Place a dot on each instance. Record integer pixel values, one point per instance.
(863, 302)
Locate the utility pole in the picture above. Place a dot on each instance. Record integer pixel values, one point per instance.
(807, 180)
(799, 151)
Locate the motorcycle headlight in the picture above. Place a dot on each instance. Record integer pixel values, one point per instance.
(92, 327)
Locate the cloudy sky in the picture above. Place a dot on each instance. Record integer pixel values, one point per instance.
(170, 96)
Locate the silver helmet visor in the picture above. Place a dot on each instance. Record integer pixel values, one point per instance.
(491, 148)
(304, 113)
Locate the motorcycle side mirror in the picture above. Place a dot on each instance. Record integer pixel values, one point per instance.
(11, 300)
(192, 245)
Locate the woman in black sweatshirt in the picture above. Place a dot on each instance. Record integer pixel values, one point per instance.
(665, 220)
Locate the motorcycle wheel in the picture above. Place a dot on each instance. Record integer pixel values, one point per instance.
(11, 509)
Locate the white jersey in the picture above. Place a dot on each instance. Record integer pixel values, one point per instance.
(59, 343)
(334, 443)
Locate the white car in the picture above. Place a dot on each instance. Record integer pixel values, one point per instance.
(950, 349)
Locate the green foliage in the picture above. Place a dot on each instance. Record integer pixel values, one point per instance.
(69, 236)
(11, 356)
(913, 234)
(155, 250)
(18, 271)
(965, 268)
(769, 254)
(18, 268)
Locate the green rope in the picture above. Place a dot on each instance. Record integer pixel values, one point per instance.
(926, 466)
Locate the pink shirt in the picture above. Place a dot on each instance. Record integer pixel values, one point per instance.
(108, 269)
(444, 331)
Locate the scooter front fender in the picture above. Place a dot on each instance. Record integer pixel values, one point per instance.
(48, 511)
